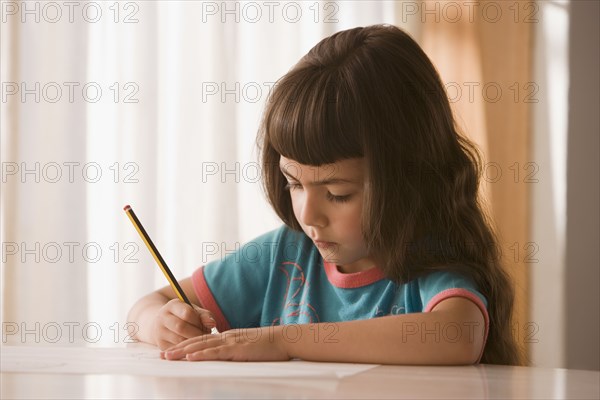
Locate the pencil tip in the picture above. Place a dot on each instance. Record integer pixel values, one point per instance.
(127, 207)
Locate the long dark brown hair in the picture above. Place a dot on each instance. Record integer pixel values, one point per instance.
(372, 92)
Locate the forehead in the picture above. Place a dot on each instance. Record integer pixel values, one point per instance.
(351, 169)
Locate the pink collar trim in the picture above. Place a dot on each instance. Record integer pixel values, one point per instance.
(353, 280)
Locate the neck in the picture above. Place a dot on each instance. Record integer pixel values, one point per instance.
(360, 265)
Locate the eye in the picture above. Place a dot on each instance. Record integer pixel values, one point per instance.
(338, 199)
(292, 186)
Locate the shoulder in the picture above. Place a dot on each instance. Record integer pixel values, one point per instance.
(436, 286)
(443, 279)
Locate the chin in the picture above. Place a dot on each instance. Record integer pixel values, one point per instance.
(337, 260)
(330, 258)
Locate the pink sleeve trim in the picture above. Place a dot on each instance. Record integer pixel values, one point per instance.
(207, 300)
(459, 292)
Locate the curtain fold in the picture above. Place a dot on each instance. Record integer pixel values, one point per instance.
(485, 62)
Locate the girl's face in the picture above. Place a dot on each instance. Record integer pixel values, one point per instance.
(327, 202)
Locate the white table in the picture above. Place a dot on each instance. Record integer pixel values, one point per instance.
(471, 382)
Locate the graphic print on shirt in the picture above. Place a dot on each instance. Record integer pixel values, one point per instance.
(294, 306)
(394, 310)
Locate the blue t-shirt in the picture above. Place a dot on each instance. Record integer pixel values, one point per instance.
(281, 278)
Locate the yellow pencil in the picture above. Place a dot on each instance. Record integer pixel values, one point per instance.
(154, 251)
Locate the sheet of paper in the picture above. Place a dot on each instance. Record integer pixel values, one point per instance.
(145, 361)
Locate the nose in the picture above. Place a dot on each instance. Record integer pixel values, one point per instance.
(312, 212)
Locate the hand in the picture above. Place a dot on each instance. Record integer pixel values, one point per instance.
(250, 344)
(176, 321)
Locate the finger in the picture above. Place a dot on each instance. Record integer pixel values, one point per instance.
(162, 345)
(194, 315)
(211, 353)
(171, 356)
(185, 312)
(167, 338)
(206, 317)
(170, 347)
(177, 352)
(182, 328)
(188, 344)
(192, 345)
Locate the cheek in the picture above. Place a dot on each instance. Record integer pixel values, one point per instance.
(296, 205)
(351, 219)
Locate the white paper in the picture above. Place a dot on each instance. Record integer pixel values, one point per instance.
(144, 361)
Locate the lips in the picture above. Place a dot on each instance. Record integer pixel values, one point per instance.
(323, 244)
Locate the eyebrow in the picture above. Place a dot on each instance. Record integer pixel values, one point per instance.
(330, 181)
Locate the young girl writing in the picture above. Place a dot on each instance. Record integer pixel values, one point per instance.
(385, 255)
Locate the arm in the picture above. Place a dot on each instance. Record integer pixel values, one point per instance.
(163, 320)
(452, 333)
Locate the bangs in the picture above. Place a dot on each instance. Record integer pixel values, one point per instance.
(312, 117)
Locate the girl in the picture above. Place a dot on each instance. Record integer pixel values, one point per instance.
(386, 255)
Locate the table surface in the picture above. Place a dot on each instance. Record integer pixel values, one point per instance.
(465, 382)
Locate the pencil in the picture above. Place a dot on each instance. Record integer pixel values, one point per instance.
(154, 251)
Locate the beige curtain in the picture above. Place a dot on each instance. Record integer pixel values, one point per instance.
(483, 51)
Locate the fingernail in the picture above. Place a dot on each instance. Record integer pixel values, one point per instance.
(170, 354)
